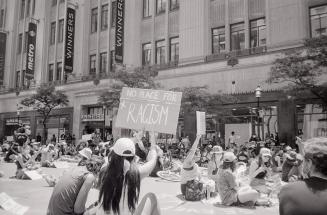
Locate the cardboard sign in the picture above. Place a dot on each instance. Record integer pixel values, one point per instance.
(87, 137)
(201, 122)
(8, 204)
(33, 175)
(149, 110)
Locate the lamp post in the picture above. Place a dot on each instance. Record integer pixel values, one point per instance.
(104, 122)
(258, 91)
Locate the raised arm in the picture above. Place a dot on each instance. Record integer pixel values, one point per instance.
(192, 151)
(147, 168)
(79, 206)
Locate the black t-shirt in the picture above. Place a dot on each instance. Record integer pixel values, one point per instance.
(308, 197)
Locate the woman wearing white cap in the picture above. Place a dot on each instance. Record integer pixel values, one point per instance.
(120, 185)
(259, 170)
(228, 189)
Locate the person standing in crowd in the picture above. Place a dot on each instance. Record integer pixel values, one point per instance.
(53, 139)
(70, 193)
(232, 141)
(120, 183)
(310, 195)
(230, 193)
(260, 169)
(38, 137)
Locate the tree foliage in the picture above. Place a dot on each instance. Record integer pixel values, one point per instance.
(44, 101)
(303, 70)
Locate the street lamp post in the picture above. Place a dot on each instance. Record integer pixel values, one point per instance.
(258, 91)
(104, 122)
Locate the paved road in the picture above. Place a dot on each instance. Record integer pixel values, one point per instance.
(36, 194)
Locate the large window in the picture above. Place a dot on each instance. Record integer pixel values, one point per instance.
(161, 6)
(104, 17)
(160, 52)
(258, 33)
(93, 65)
(237, 37)
(218, 40)
(51, 69)
(146, 54)
(318, 18)
(59, 71)
(22, 9)
(20, 43)
(103, 62)
(60, 31)
(94, 20)
(174, 49)
(113, 13)
(2, 18)
(146, 8)
(52, 33)
(174, 4)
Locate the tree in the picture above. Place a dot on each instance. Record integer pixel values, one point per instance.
(303, 70)
(44, 101)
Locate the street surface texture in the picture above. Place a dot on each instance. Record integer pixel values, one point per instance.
(36, 194)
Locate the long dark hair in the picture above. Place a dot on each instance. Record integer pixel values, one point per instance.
(114, 183)
(229, 165)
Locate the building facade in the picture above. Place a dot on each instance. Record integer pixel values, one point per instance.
(226, 45)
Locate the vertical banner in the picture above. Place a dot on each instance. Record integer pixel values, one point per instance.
(201, 122)
(119, 36)
(69, 40)
(30, 54)
(3, 40)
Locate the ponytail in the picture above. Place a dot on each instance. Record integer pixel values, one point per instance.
(132, 182)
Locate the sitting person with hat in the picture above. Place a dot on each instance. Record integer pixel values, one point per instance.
(47, 156)
(231, 194)
(288, 164)
(86, 155)
(191, 187)
(296, 173)
(260, 169)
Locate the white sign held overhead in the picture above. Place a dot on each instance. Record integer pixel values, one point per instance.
(201, 122)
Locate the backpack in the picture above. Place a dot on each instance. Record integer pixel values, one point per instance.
(194, 191)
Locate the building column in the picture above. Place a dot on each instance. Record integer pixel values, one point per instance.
(227, 27)
(246, 24)
(286, 121)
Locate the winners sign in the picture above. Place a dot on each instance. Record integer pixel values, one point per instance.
(119, 35)
(150, 110)
(69, 40)
(30, 56)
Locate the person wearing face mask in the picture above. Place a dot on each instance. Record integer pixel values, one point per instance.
(310, 195)
(259, 170)
(121, 180)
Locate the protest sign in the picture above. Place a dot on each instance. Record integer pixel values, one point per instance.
(149, 110)
(8, 204)
(33, 175)
(201, 122)
(87, 137)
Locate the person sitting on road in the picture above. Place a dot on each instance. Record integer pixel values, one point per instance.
(243, 155)
(47, 156)
(86, 155)
(310, 195)
(215, 163)
(231, 194)
(288, 164)
(120, 184)
(191, 187)
(296, 173)
(24, 162)
(260, 169)
(277, 161)
(70, 193)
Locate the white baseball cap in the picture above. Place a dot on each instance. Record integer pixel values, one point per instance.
(86, 152)
(229, 157)
(124, 147)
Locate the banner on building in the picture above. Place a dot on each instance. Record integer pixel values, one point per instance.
(69, 40)
(119, 35)
(3, 40)
(149, 110)
(30, 54)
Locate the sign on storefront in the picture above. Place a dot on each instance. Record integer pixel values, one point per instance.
(69, 40)
(31, 48)
(119, 35)
(3, 40)
(92, 117)
(150, 110)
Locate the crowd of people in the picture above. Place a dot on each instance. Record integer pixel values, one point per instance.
(241, 175)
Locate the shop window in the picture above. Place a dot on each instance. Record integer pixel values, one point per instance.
(2, 18)
(56, 125)
(104, 17)
(146, 54)
(160, 52)
(318, 21)
(94, 20)
(218, 40)
(174, 49)
(237, 37)
(258, 33)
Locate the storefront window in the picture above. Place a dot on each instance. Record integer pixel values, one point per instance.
(56, 125)
(311, 120)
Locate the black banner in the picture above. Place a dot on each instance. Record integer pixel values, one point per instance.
(69, 40)
(30, 54)
(119, 36)
(3, 40)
